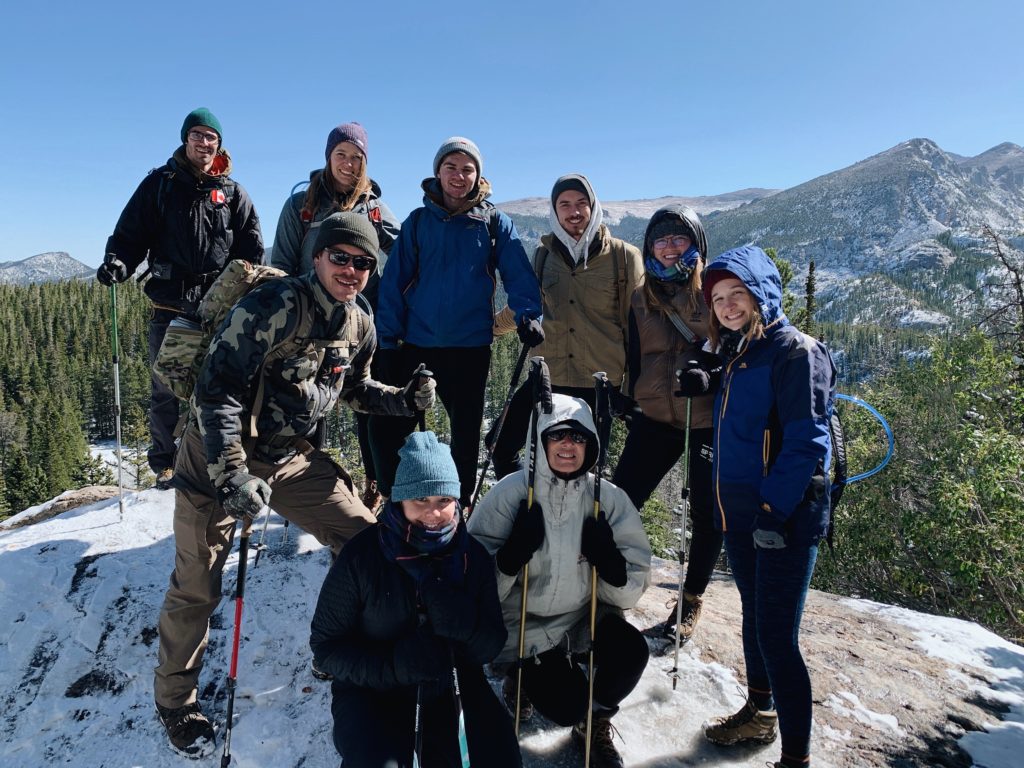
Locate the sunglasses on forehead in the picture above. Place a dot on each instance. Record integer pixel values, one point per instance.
(558, 435)
(340, 258)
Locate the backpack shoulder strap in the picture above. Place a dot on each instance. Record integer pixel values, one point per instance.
(413, 222)
(540, 260)
(493, 230)
(619, 257)
(300, 337)
(839, 472)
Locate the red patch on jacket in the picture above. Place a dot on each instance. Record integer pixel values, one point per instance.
(217, 196)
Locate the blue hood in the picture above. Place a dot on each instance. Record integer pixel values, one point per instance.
(757, 272)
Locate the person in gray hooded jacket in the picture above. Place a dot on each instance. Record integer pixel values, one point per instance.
(561, 540)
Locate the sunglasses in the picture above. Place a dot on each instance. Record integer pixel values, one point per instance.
(558, 435)
(340, 258)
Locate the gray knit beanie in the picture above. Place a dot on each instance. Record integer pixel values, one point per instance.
(351, 132)
(459, 144)
(425, 468)
(347, 227)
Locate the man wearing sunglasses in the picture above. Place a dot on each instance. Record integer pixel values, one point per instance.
(187, 219)
(287, 352)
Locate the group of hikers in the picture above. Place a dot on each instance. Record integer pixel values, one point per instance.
(425, 589)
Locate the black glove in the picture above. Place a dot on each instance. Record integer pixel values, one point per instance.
(243, 495)
(598, 546)
(111, 271)
(421, 657)
(525, 538)
(622, 406)
(700, 375)
(450, 610)
(530, 332)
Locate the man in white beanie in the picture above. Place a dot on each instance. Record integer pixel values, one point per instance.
(435, 304)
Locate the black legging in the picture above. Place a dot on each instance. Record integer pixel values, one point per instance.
(557, 684)
(461, 376)
(652, 449)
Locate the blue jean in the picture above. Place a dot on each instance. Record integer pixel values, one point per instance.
(773, 586)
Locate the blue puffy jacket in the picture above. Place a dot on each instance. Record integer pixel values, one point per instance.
(772, 444)
(438, 286)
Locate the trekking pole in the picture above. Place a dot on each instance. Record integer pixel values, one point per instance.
(541, 381)
(422, 373)
(685, 512)
(516, 373)
(115, 359)
(243, 558)
(263, 538)
(600, 408)
(463, 743)
(417, 746)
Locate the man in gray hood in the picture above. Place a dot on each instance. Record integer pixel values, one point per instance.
(586, 278)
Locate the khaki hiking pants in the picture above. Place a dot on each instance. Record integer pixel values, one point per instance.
(310, 490)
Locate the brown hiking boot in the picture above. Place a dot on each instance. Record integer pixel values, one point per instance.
(164, 478)
(508, 694)
(602, 750)
(748, 726)
(188, 729)
(688, 618)
(371, 497)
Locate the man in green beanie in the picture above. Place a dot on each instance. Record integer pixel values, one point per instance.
(283, 358)
(187, 219)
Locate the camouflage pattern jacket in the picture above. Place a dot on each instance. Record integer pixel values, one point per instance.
(297, 389)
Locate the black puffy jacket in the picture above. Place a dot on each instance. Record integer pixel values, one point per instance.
(368, 607)
(188, 225)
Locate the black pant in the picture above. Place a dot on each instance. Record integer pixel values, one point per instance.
(461, 376)
(163, 405)
(517, 423)
(651, 449)
(376, 728)
(557, 684)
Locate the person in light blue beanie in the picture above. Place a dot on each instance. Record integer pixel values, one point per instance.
(425, 468)
(409, 607)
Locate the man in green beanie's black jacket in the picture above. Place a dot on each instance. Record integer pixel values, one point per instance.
(187, 219)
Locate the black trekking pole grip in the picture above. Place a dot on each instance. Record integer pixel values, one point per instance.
(516, 373)
(420, 374)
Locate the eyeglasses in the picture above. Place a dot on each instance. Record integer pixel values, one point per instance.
(202, 137)
(340, 258)
(558, 435)
(676, 241)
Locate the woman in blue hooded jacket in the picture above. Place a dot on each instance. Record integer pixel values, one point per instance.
(772, 451)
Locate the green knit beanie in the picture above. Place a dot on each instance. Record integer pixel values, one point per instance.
(201, 116)
(425, 468)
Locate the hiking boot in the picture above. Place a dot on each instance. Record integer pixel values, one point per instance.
(164, 478)
(371, 497)
(508, 694)
(188, 729)
(319, 674)
(748, 726)
(688, 618)
(603, 753)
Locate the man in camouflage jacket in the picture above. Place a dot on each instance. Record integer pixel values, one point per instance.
(260, 401)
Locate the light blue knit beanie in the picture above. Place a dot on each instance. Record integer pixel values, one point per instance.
(425, 468)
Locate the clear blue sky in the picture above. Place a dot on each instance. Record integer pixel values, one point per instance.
(646, 98)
